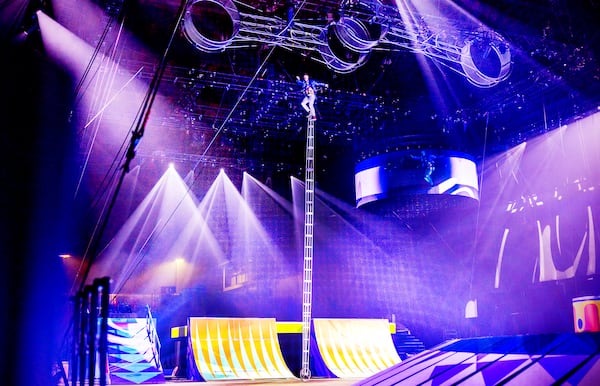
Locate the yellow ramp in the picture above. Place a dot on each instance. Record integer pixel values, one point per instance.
(236, 348)
(355, 348)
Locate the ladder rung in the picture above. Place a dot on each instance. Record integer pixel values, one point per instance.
(309, 187)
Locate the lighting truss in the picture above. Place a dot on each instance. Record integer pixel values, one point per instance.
(482, 56)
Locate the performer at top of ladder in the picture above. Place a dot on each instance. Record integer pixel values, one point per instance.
(309, 90)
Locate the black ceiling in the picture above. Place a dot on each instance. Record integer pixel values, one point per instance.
(555, 77)
(383, 105)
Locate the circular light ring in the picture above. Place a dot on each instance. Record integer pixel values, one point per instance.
(355, 35)
(475, 74)
(201, 40)
(332, 49)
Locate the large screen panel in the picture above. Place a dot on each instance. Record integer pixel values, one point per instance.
(415, 172)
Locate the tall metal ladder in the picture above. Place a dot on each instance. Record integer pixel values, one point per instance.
(309, 198)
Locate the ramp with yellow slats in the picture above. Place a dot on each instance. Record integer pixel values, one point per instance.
(352, 348)
(235, 349)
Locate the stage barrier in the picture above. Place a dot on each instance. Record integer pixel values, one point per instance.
(235, 349)
(132, 357)
(352, 348)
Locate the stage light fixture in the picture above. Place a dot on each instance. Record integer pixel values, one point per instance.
(486, 60)
(211, 25)
(360, 27)
(337, 55)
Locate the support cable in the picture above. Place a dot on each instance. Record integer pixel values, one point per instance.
(136, 136)
(477, 219)
(101, 110)
(233, 109)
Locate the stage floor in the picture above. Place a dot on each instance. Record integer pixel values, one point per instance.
(311, 382)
